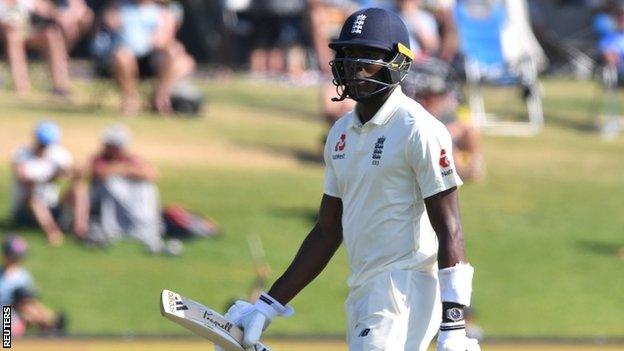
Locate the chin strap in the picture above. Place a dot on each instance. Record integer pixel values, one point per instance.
(342, 93)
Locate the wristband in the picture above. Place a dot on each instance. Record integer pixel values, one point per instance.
(456, 283)
(271, 308)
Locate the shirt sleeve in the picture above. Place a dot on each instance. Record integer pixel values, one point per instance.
(61, 158)
(330, 184)
(430, 155)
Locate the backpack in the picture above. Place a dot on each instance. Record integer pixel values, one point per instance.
(183, 224)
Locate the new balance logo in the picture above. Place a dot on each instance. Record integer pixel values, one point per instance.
(364, 332)
(180, 306)
(358, 24)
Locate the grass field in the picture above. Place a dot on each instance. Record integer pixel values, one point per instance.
(542, 231)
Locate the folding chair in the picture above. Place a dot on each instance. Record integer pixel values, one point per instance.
(480, 26)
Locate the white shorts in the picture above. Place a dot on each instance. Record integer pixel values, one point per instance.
(394, 311)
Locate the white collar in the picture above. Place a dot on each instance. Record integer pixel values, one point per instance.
(385, 112)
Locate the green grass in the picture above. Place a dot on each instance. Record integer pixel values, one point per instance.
(542, 230)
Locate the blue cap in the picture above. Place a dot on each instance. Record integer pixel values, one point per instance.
(375, 28)
(47, 133)
(15, 246)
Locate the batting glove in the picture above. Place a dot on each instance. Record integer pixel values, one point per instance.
(456, 340)
(254, 319)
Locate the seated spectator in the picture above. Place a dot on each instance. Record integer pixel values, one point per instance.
(278, 36)
(36, 194)
(18, 291)
(142, 44)
(431, 82)
(124, 198)
(422, 25)
(75, 19)
(326, 20)
(31, 23)
(443, 11)
(612, 45)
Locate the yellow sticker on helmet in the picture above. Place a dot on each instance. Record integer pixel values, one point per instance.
(405, 51)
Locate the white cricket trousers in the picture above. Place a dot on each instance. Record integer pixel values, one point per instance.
(394, 311)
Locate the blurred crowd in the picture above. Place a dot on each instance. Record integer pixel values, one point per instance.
(110, 198)
(130, 40)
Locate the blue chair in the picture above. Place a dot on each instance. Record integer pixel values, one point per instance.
(480, 24)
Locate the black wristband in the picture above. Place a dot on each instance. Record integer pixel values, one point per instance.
(452, 312)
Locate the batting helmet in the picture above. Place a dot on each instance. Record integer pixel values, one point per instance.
(377, 29)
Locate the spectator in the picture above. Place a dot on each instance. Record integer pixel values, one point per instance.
(75, 19)
(432, 83)
(124, 198)
(278, 38)
(142, 44)
(30, 23)
(36, 195)
(326, 18)
(443, 10)
(17, 290)
(424, 37)
(612, 45)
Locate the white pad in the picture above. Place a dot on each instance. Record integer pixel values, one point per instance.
(456, 283)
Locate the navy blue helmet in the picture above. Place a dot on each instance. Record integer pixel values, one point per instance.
(375, 29)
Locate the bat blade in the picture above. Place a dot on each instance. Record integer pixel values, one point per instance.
(201, 320)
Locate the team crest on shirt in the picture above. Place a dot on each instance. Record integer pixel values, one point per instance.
(445, 163)
(378, 150)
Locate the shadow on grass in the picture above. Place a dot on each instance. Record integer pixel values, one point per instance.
(306, 213)
(600, 247)
(69, 109)
(303, 156)
(585, 126)
(6, 225)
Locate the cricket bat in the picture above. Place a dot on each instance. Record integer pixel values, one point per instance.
(202, 321)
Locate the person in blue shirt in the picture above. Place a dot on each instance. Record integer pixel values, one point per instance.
(17, 289)
(612, 45)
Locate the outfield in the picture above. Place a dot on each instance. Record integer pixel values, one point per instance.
(543, 229)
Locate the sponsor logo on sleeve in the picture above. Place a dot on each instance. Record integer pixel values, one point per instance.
(445, 163)
(364, 332)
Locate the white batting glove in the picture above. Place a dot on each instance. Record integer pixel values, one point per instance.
(456, 340)
(254, 319)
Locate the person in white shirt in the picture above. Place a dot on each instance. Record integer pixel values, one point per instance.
(390, 194)
(36, 198)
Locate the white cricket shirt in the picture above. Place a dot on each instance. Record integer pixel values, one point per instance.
(382, 171)
(40, 171)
